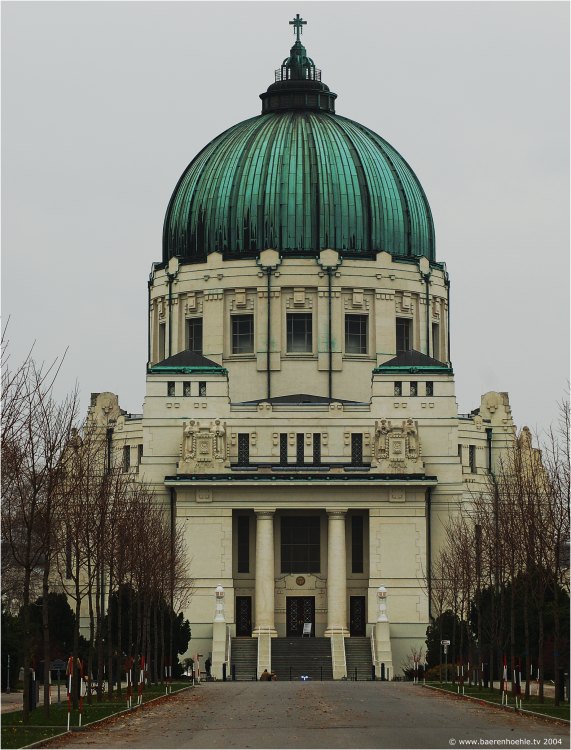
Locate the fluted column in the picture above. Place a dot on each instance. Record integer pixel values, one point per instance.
(336, 574)
(265, 582)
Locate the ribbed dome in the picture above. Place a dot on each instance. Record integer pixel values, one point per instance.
(298, 179)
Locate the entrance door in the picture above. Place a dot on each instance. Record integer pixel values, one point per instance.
(357, 616)
(243, 616)
(299, 610)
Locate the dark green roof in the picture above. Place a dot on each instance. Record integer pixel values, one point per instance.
(413, 361)
(299, 179)
(187, 362)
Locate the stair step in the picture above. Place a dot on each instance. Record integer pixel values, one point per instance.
(358, 658)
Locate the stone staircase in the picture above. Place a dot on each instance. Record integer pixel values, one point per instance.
(244, 658)
(293, 657)
(359, 658)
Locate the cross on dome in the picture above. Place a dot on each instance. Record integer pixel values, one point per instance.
(298, 23)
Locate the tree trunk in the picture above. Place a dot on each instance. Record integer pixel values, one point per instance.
(110, 633)
(119, 638)
(528, 675)
(46, 634)
(540, 641)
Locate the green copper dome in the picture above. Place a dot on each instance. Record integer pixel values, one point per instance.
(298, 178)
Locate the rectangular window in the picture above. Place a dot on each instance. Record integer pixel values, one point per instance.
(356, 334)
(186, 388)
(436, 341)
(317, 448)
(283, 448)
(126, 457)
(299, 333)
(243, 544)
(202, 388)
(243, 448)
(398, 388)
(194, 335)
(357, 544)
(162, 339)
(404, 335)
(430, 388)
(472, 458)
(356, 449)
(242, 334)
(414, 389)
(139, 454)
(170, 388)
(300, 448)
(300, 544)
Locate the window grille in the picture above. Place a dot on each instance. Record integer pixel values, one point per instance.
(429, 388)
(300, 449)
(186, 388)
(242, 334)
(283, 448)
(414, 389)
(398, 389)
(317, 448)
(356, 449)
(299, 333)
(243, 448)
(356, 334)
(202, 388)
(170, 388)
(139, 454)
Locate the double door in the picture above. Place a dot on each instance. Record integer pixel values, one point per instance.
(299, 610)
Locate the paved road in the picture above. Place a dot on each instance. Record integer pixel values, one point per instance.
(319, 715)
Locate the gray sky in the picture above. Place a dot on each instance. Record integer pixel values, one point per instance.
(104, 105)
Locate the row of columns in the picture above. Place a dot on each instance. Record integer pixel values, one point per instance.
(336, 574)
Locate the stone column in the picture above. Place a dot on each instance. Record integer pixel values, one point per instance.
(265, 581)
(336, 575)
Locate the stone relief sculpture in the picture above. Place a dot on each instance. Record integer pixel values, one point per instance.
(397, 448)
(204, 447)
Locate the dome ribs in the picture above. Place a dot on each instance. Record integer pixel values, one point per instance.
(298, 181)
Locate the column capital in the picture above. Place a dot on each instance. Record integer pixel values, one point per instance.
(264, 513)
(336, 512)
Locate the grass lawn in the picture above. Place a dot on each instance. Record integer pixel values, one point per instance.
(495, 696)
(15, 734)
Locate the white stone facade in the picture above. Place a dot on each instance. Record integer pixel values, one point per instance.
(419, 459)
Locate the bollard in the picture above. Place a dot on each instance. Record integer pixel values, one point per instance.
(224, 672)
(321, 673)
(233, 670)
(373, 672)
(290, 674)
(383, 677)
(355, 674)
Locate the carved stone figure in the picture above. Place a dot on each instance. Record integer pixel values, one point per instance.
(204, 447)
(397, 448)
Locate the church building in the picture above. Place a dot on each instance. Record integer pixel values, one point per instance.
(300, 420)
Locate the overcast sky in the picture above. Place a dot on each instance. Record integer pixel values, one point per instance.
(105, 104)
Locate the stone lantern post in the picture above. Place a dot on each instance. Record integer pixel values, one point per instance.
(219, 635)
(383, 651)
